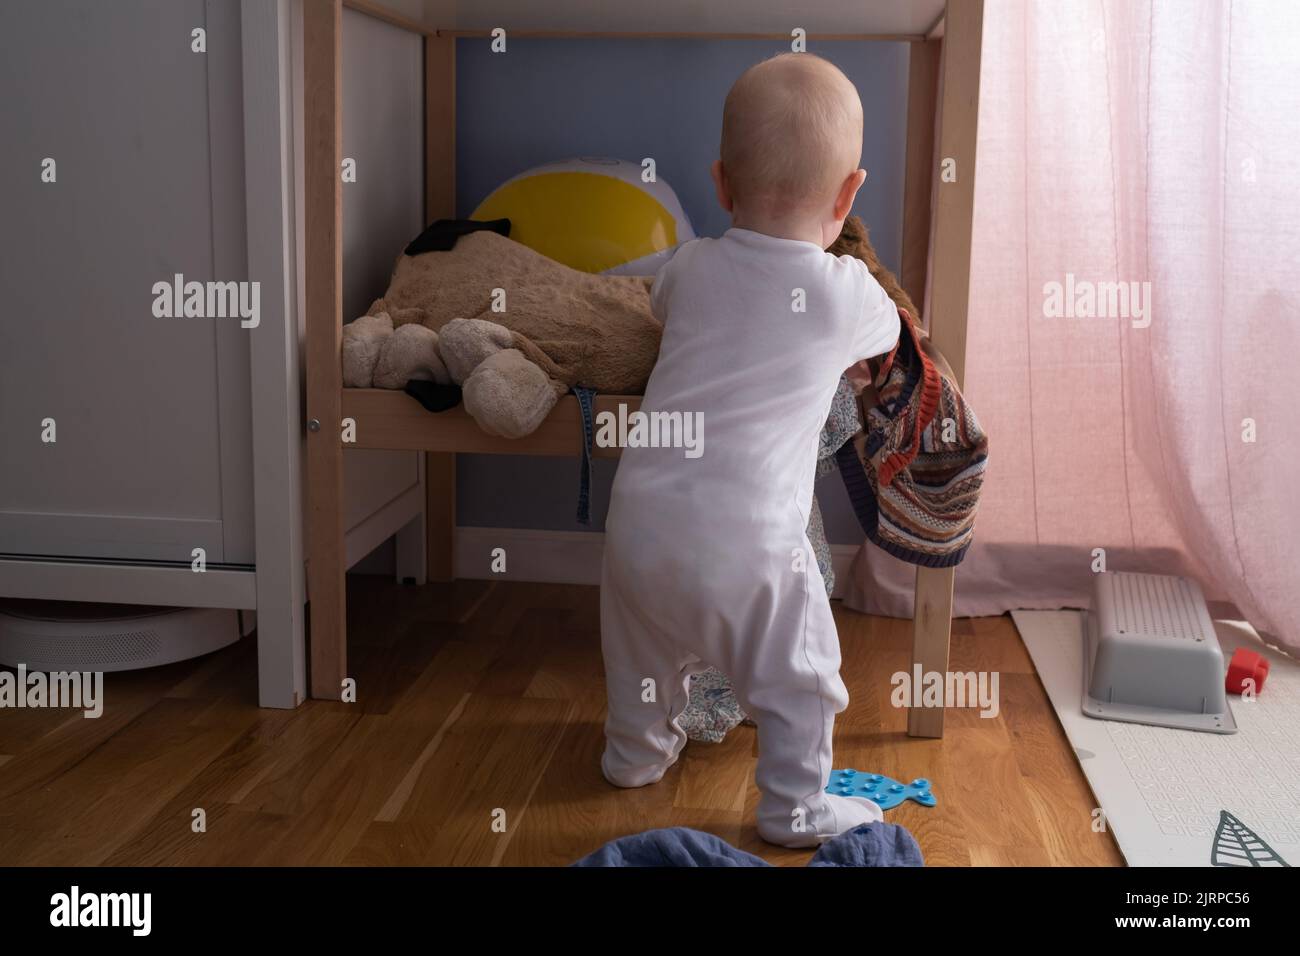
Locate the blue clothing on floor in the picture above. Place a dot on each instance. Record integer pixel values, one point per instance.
(672, 846)
(874, 844)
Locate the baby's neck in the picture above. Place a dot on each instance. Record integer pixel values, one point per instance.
(793, 227)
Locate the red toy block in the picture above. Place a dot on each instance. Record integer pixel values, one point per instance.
(1246, 665)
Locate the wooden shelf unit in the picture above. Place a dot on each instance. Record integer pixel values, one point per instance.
(943, 84)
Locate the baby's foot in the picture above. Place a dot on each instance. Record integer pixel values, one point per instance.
(633, 777)
(837, 815)
(852, 812)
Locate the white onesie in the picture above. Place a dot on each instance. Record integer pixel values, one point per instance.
(707, 561)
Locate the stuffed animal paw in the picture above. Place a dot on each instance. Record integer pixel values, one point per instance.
(504, 391)
(363, 340)
(411, 352)
(375, 355)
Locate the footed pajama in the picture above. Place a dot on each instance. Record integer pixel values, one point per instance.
(707, 559)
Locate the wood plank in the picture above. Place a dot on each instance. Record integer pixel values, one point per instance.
(1009, 856)
(717, 776)
(954, 202)
(369, 768)
(687, 18)
(931, 634)
(372, 9)
(496, 748)
(457, 693)
(919, 178)
(68, 739)
(323, 150)
(972, 650)
(234, 837)
(936, 29)
(681, 35)
(439, 128)
(440, 203)
(870, 734)
(127, 780)
(1062, 800)
(982, 761)
(392, 419)
(950, 292)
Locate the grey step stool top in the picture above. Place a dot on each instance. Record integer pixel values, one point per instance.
(1151, 655)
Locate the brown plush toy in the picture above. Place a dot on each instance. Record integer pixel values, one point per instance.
(854, 241)
(516, 330)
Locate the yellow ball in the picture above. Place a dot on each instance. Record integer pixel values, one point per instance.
(593, 214)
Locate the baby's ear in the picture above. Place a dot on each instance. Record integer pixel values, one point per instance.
(721, 185)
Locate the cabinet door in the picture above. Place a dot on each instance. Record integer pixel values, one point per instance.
(151, 416)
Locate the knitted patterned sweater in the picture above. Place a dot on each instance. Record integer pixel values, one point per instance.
(915, 470)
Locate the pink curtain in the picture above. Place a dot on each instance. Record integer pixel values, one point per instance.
(1134, 142)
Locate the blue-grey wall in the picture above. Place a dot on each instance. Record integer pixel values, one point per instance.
(545, 100)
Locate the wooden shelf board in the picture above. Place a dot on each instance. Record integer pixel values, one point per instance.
(395, 420)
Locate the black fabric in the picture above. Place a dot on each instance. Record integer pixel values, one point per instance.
(442, 235)
(434, 397)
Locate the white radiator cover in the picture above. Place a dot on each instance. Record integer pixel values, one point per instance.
(66, 636)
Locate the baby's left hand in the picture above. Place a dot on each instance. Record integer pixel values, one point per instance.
(860, 377)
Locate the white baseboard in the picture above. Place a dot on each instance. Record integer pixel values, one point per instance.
(563, 557)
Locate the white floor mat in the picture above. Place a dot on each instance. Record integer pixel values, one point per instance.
(1165, 792)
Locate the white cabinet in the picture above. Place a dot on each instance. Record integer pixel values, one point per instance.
(171, 433)
(151, 416)
(177, 433)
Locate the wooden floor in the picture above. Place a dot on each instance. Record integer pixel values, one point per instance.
(480, 700)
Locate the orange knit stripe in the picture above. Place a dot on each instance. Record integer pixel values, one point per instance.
(931, 386)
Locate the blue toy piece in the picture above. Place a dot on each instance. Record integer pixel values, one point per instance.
(885, 791)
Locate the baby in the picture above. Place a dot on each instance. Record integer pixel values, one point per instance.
(706, 558)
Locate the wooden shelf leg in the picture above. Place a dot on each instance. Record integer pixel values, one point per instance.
(931, 631)
(440, 202)
(918, 183)
(947, 304)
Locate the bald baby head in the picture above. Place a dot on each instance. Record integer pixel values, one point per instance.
(791, 133)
